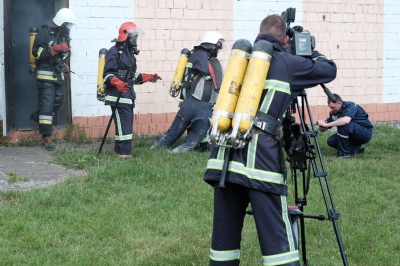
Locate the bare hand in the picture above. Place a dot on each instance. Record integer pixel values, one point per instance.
(322, 125)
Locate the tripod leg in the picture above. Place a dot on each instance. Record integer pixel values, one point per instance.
(107, 129)
(300, 202)
(316, 161)
(303, 241)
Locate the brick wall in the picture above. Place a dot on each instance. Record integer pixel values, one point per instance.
(361, 36)
(171, 26)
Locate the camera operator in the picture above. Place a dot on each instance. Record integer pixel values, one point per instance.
(353, 127)
(256, 174)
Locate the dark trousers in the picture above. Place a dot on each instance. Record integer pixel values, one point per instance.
(123, 122)
(273, 224)
(349, 138)
(51, 97)
(193, 113)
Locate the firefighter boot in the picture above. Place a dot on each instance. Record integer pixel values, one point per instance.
(35, 117)
(48, 144)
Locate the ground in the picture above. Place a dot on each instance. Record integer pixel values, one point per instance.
(31, 167)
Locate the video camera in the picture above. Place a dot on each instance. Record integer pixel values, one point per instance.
(300, 42)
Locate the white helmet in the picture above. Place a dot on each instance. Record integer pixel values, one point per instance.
(64, 15)
(213, 37)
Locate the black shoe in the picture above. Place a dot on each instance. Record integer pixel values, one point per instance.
(361, 149)
(344, 156)
(34, 118)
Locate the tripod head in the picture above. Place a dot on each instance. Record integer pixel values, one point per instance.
(295, 135)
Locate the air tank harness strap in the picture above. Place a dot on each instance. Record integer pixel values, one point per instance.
(267, 124)
(122, 73)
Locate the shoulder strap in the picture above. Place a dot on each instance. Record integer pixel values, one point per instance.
(215, 69)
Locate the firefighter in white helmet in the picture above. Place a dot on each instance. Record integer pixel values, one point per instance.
(50, 49)
(201, 83)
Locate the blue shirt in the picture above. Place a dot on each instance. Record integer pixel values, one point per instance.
(354, 111)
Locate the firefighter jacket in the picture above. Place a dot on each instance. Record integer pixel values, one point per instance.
(203, 76)
(118, 61)
(260, 164)
(48, 67)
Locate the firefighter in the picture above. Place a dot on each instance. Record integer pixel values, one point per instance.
(202, 80)
(120, 64)
(256, 173)
(50, 49)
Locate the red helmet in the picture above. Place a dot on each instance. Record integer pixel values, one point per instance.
(128, 29)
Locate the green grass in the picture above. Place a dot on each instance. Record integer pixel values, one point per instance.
(14, 178)
(155, 209)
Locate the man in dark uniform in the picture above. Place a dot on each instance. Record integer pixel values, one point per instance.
(119, 60)
(50, 48)
(256, 173)
(201, 84)
(353, 127)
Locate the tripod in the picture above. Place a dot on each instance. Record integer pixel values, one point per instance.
(312, 158)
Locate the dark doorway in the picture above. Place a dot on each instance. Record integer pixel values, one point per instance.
(21, 90)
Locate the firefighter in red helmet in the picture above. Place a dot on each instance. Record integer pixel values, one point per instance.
(50, 49)
(120, 63)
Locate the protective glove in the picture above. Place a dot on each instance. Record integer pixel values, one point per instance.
(119, 84)
(150, 77)
(59, 48)
(155, 78)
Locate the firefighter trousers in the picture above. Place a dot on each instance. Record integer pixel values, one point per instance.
(51, 97)
(273, 225)
(123, 121)
(193, 114)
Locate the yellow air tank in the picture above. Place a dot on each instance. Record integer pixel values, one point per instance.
(231, 84)
(33, 31)
(179, 71)
(101, 87)
(253, 85)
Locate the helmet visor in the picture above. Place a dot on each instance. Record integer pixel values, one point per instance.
(68, 25)
(134, 32)
(220, 44)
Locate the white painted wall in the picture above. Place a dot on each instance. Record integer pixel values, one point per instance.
(2, 90)
(98, 23)
(248, 14)
(391, 52)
